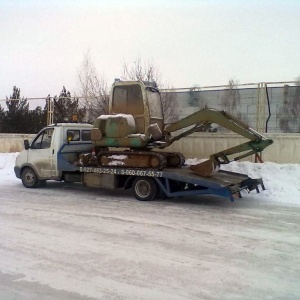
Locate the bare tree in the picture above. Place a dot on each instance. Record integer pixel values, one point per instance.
(170, 107)
(231, 99)
(94, 89)
(140, 70)
(296, 101)
(289, 112)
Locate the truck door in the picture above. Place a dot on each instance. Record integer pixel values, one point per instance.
(40, 153)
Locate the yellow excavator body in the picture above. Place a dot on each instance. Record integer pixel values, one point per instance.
(136, 121)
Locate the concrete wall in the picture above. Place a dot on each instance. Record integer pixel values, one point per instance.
(200, 145)
(285, 148)
(13, 142)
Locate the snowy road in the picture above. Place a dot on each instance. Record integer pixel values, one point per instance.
(68, 242)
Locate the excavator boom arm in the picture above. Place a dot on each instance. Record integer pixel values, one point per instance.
(208, 116)
(224, 119)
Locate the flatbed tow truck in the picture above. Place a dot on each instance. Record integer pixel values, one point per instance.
(147, 184)
(86, 153)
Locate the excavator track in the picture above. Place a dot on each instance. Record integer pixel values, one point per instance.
(174, 159)
(140, 159)
(132, 159)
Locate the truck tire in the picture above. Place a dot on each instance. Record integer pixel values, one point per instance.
(144, 188)
(29, 178)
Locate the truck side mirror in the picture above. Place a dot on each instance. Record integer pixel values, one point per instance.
(26, 144)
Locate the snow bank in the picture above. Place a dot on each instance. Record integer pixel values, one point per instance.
(7, 163)
(282, 181)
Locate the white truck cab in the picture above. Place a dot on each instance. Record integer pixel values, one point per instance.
(39, 160)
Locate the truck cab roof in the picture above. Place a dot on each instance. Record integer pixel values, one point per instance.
(76, 125)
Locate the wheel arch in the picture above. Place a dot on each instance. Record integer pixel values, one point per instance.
(128, 182)
(27, 165)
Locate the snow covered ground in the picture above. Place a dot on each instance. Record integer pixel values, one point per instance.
(64, 241)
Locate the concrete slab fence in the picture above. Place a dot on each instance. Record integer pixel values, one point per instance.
(286, 147)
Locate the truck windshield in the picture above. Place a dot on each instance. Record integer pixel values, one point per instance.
(43, 139)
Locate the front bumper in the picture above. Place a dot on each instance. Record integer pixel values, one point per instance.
(17, 172)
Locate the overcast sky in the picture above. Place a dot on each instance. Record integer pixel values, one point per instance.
(43, 42)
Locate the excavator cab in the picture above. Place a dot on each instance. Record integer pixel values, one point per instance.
(139, 99)
(135, 116)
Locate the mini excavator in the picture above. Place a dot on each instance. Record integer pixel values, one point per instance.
(136, 122)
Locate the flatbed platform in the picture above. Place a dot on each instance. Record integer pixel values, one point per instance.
(169, 182)
(182, 181)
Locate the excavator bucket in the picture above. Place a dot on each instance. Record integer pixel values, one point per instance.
(206, 168)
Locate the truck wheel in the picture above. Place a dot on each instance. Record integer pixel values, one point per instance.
(144, 189)
(29, 178)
